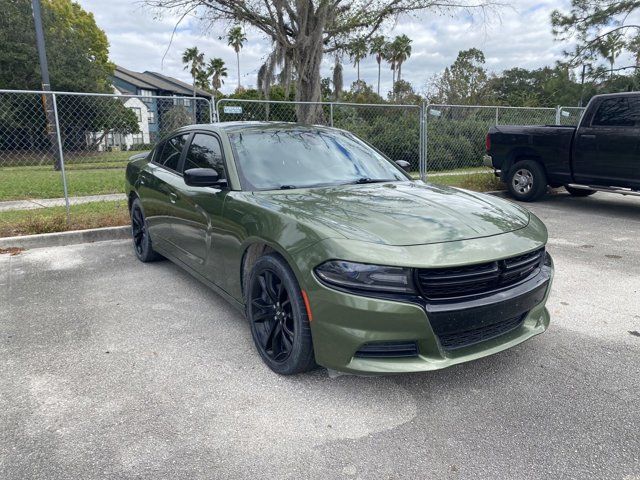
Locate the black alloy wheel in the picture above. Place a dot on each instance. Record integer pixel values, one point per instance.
(273, 316)
(140, 234)
(278, 317)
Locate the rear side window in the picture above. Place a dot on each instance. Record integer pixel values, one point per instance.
(617, 112)
(169, 157)
(205, 152)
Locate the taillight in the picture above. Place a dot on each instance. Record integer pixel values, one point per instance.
(487, 143)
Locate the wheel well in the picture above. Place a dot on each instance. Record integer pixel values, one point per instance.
(505, 171)
(249, 258)
(132, 196)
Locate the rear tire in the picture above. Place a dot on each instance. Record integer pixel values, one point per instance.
(278, 317)
(140, 234)
(579, 192)
(527, 181)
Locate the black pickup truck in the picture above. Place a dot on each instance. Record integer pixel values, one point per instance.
(601, 154)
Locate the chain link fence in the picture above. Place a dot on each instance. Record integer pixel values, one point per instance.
(456, 133)
(63, 155)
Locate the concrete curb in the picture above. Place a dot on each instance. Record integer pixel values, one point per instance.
(66, 238)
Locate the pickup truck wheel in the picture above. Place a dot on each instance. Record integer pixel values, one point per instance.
(527, 181)
(579, 192)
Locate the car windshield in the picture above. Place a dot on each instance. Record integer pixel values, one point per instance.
(290, 157)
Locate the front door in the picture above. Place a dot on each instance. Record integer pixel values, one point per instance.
(608, 150)
(199, 210)
(157, 188)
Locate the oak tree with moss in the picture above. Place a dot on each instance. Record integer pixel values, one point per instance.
(313, 28)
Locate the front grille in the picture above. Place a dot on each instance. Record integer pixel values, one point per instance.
(481, 279)
(454, 340)
(388, 350)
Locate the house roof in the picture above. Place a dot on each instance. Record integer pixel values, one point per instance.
(156, 81)
(175, 83)
(134, 78)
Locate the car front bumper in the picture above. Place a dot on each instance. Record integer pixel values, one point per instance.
(343, 323)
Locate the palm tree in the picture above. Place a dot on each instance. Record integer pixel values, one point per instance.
(193, 60)
(377, 49)
(217, 71)
(358, 51)
(236, 39)
(401, 51)
(610, 47)
(388, 54)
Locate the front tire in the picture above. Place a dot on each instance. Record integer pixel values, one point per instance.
(140, 234)
(579, 192)
(278, 317)
(527, 181)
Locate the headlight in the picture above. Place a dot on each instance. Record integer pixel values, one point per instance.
(363, 277)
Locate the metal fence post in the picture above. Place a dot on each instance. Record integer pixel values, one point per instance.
(424, 119)
(497, 113)
(61, 155)
(558, 115)
(217, 105)
(331, 114)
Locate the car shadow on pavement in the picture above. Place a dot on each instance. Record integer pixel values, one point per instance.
(615, 205)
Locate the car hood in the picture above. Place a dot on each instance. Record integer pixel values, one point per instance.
(399, 213)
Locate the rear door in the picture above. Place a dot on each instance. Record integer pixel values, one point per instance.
(199, 224)
(607, 149)
(159, 188)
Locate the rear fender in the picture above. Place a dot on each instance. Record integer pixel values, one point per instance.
(517, 154)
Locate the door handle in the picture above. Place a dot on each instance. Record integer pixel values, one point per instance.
(172, 197)
(588, 136)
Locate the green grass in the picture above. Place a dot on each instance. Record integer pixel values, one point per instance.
(46, 159)
(20, 183)
(480, 182)
(88, 173)
(54, 219)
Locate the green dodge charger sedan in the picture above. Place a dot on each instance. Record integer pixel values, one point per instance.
(335, 255)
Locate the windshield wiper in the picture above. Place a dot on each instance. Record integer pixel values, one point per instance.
(373, 180)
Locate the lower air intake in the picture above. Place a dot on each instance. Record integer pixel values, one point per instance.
(461, 339)
(388, 350)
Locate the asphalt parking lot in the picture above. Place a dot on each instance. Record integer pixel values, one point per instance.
(110, 368)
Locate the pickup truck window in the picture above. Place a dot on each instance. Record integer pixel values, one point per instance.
(617, 112)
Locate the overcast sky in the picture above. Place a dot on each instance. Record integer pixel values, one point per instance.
(519, 37)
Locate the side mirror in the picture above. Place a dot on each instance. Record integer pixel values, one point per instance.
(202, 177)
(403, 164)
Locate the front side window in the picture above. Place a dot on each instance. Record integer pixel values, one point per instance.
(617, 112)
(270, 158)
(169, 157)
(205, 152)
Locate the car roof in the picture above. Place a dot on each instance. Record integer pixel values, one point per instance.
(235, 127)
(621, 94)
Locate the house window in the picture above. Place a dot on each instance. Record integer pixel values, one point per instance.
(187, 102)
(137, 139)
(146, 93)
(138, 112)
(151, 116)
